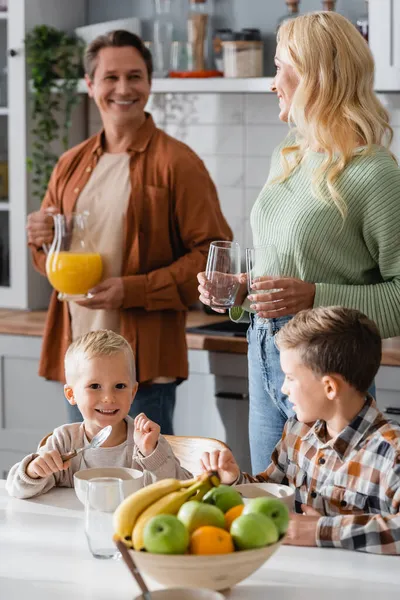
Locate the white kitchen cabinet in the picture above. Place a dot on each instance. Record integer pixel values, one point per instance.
(20, 286)
(388, 392)
(213, 402)
(384, 41)
(30, 406)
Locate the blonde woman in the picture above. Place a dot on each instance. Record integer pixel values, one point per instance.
(331, 206)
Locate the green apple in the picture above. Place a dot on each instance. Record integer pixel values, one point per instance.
(273, 508)
(165, 534)
(253, 531)
(196, 514)
(224, 497)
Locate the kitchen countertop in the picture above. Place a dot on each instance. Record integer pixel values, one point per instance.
(31, 323)
(46, 557)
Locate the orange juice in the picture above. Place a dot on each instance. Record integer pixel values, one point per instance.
(72, 272)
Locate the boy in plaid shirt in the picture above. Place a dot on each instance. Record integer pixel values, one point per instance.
(339, 452)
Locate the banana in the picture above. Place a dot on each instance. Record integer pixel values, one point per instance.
(170, 505)
(129, 510)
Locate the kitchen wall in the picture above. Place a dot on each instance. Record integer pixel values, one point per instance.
(226, 13)
(235, 135)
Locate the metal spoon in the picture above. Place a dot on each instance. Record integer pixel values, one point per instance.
(130, 563)
(97, 441)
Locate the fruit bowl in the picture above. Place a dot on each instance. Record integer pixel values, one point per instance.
(216, 572)
(132, 479)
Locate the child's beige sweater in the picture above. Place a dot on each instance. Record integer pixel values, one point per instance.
(161, 464)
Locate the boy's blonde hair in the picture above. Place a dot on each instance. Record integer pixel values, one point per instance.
(335, 102)
(96, 343)
(335, 340)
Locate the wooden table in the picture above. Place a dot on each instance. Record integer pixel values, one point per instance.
(44, 556)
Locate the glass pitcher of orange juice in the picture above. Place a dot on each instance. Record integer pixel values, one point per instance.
(72, 265)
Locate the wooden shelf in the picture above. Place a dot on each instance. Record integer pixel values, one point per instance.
(217, 85)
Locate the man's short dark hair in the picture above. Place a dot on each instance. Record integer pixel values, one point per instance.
(116, 39)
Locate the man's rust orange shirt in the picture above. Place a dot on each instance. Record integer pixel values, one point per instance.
(173, 214)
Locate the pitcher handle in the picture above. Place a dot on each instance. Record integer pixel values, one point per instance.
(51, 213)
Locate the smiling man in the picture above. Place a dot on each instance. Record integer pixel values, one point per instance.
(153, 212)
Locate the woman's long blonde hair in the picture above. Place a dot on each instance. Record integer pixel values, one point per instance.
(334, 106)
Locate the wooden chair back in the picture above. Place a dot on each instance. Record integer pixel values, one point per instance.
(187, 449)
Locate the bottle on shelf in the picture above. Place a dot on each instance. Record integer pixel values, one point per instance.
(362, 23)
(328, 4)
(292, 12)
(162, 37)
(197, 32)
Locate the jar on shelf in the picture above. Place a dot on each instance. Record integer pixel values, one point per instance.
(292, 12)
(362, 24)
(328, 5)
(243, 57)
(221, 35)
(162, 37)
(197, 32)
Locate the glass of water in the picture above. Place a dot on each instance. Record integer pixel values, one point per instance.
(262, 261)
(103, 496)
(222, 273)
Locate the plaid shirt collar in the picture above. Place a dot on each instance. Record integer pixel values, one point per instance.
(351, 435)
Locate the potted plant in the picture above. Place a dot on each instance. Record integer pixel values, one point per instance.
(54, 58)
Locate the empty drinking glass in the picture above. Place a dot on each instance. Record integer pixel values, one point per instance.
(103, 496)
(222, 273)
(262, 261)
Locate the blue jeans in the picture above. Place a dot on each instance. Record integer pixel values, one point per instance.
(269, 408)
(157, 401)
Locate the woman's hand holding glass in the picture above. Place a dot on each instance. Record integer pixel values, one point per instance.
(288, 296)
(207, 292)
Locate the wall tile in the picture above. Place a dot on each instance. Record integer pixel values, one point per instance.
(392, 103)
(196, 109)
(261, 140)
(232, 203)
(250, 196)
(261, 109)
(225, 170)
(209, 139)
(247, 234)
(256, 171)
(395, 147)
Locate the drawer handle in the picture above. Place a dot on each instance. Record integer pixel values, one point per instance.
(232, 395)
(392, 410)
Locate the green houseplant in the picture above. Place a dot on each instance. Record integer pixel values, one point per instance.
(54, 58)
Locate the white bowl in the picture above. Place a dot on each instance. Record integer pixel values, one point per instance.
(184, 594)
(89, 32)
(256, 490)
(132, 479)
(215, 571)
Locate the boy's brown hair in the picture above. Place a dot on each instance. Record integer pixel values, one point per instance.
(335, 340)
(116, 39)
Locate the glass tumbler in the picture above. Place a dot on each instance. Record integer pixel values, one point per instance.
(222, 273)
(262, 261)
(103, 496)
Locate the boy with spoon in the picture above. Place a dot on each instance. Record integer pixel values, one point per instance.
(101, 381)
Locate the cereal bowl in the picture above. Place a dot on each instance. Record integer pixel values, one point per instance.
(132, 479)
(184, 594)
(255, 490)
(215, 571)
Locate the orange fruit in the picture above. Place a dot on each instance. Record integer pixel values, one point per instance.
(211, 540)
(232, 514)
